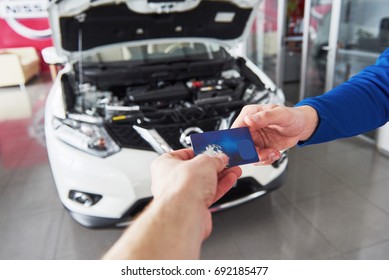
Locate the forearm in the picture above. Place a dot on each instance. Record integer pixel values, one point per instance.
(167, 229)
(357, 106)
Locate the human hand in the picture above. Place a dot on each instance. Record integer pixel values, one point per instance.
(202, 178)
(177, 221)
(195, 182)
(276, 127)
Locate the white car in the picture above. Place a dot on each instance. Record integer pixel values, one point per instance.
(140, 77)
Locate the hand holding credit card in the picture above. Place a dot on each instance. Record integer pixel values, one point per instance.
(236, 143)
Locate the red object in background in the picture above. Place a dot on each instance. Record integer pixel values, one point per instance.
(270, 13)
(318, 12)
(24, 35)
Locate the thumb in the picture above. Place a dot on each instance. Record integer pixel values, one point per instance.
(219, 161)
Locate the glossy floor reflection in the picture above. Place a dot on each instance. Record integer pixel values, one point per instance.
(334, 204)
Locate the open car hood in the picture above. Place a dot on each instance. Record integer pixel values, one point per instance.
(88, 25)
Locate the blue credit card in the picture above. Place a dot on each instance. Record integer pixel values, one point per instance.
(236, 143)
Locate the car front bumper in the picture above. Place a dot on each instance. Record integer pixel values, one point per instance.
(245, 190)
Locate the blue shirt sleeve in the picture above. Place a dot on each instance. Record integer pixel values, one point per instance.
(356, 106)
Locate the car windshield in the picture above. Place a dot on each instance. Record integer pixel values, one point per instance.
(155, 53)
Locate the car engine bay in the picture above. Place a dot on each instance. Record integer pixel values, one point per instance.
(166, 96)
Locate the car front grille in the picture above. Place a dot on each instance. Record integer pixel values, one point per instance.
(171, 133)
(127, 137)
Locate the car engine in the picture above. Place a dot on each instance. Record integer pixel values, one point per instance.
(160, 101)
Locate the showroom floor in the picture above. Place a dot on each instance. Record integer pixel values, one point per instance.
(334, 205)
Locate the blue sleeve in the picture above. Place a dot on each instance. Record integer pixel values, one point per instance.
(356, 106)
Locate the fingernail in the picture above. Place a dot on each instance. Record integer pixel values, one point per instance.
(223, 157)
(253, 118)
(273, 156)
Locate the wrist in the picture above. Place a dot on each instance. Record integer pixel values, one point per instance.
(188, 207)
(310, 121)
(182, 187)
(166, 229)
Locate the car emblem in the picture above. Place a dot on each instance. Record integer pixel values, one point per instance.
(185, 139)
(12, 11)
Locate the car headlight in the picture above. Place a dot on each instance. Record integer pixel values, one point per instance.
(90, 138)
